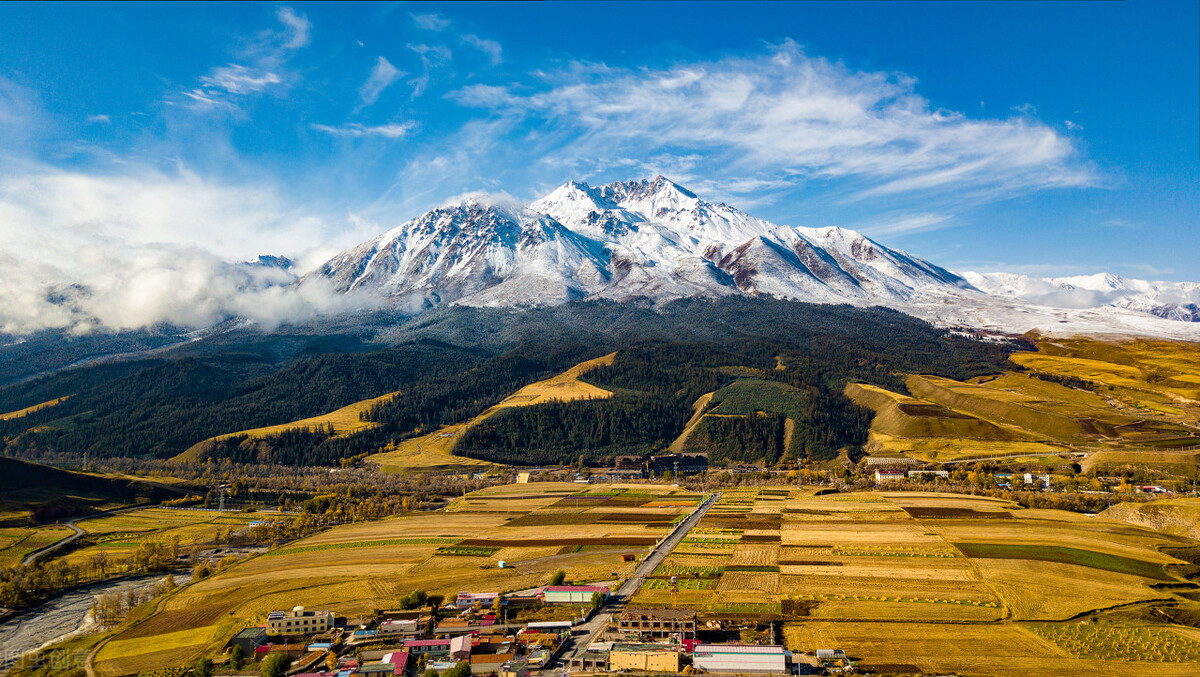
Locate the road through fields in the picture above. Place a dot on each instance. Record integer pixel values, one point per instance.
(616, 602)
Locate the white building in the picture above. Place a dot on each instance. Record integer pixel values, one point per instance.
(889, 475)
(573, 594)
(739, 658)
(1044, 480)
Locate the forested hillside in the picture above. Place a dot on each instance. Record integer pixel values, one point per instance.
(800, 362)
(452, 364)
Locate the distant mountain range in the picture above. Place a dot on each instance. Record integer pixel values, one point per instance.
(655, 239)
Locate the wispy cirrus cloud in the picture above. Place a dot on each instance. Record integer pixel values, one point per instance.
(438, 23)
(430, 21)
(905, 224)
(298, 25)
(395, 130)
(258, 68)
(787, 114)
(491, 48)
(433, 57)
(383, 74)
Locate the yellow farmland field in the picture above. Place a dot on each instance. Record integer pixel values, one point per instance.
(354, 568)
(17, 542)
(1000, 650)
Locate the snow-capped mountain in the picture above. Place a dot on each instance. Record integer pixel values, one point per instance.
(1179, 301)
(624, 240)
(655, 239)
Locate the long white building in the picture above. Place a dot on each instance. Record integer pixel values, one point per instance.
(739, 658)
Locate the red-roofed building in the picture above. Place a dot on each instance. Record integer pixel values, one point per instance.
(433, 647)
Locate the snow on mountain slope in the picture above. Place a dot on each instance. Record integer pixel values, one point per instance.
(1177, 301)
(656, 239)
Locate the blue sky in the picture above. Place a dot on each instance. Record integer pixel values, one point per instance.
(1039, 137)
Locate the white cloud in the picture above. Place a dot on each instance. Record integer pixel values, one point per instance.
(99, 119)
(239, 80)
(432, 58)
(787, 114)
(382, 76)
(1073, 126)
(297, 24)
(906, 224)
(489, 47)
(21, 117)
(430, 22)
(396, 130)
(128, 251)
(260, 65)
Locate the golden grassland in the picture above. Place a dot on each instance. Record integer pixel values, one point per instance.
(697, 414)
(345, 421)
(29, 410)
(352, 569)
(1176, 516)
(1134, 403)
(434, 451)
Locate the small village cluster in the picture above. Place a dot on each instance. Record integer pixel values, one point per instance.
(471, 632)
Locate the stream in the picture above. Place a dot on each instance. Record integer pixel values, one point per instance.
(62, 617)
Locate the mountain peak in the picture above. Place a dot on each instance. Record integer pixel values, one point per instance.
(659, 187)
(652, 238)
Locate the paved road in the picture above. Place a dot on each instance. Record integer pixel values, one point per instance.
(589, 631)
(33, 556)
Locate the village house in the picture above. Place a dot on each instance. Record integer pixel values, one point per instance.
(298, 621)
(428, 647)
(468, 600)
(644, 658)
(249, 639)
(486, 664)
(594, 659)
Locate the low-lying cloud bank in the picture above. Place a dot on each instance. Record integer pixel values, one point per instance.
(83, 251)
(180, 287)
